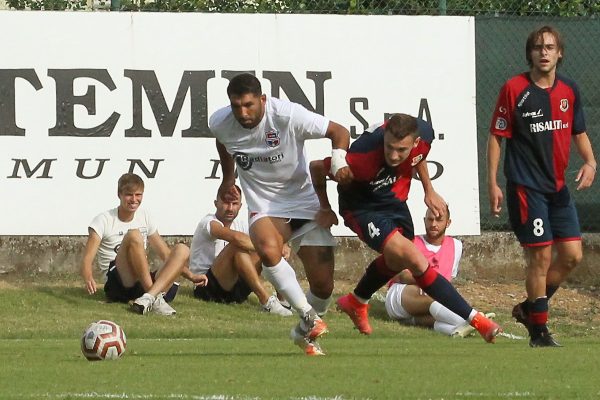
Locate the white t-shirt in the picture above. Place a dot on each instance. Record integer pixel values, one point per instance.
(205, 248)
(111, 231)
(271, 160)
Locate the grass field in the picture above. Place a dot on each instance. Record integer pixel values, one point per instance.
(212, 351)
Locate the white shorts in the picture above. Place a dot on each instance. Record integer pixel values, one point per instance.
(393, 305)
(310, 234)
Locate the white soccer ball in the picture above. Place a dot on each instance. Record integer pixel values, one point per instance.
(103, 340)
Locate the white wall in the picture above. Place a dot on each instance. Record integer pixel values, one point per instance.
(390, 62)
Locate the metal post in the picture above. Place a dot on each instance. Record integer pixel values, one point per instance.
(442, 7)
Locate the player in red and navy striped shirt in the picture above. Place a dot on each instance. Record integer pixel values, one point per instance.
(539, 113)
(373, 205)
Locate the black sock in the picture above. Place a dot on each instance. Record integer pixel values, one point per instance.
(438, 287)
(376, 275)
(550, 290)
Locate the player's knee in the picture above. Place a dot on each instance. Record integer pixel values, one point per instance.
(270, 252)
(572, 260)
(133, 237)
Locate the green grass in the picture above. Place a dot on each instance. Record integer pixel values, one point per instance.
(212, 351)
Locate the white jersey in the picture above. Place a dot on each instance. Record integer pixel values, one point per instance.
(271, 160)
(205, 247)
(112, 230)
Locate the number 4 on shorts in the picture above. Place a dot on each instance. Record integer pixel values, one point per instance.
(373, 230)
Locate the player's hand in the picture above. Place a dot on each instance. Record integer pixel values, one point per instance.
(243, 241)
(228, 192)
(585, 176)
(435, 203)
(90, 285)
(496, 198)
(344, 175)
(199, 280)
(326, 217)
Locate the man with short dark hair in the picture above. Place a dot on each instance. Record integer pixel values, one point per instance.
(265, 137)
(119, 236)
(539, 112)
(373, 205)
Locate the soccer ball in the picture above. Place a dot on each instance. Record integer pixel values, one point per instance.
(103, 340)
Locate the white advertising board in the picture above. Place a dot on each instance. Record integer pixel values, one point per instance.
(85, 97)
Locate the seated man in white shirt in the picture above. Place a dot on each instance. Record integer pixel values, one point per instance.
(120, 236)
(407, 303)
(223, 263)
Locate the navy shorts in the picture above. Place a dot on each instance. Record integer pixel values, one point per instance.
(376, 227)
(115, 291)
(540, 219)
(215, 293)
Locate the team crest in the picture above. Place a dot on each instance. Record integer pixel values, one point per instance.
(416, 160)
(564, 105)
(272, 138)
(501, 124)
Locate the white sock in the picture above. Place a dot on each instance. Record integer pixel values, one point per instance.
(443, 314)
(442, 327)
(474, 312)
(283, 277)
(320, 305)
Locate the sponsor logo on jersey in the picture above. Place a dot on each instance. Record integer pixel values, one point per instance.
(502, 110)
(564, 105)
(541, 127)
(272, 138)
(501, 124)
(416, 160)
(525, 96)
(245, 161)
(385, 181)
(533, 114)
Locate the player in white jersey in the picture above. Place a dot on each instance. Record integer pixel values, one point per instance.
(119, 236)
(265, 138)
(223, 263)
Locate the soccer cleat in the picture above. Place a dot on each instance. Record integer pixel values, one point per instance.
(519, 314)
(312, 325)
(544, 339)
(487, 328)
(357, 311)
(309, 347)
(143, 304)
(161, 307)
(273, 306)
(466, 329)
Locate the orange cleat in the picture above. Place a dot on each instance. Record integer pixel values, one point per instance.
(357, 311)
(487, 328)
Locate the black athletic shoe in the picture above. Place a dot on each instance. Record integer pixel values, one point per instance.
(519, 314)
(544, 339)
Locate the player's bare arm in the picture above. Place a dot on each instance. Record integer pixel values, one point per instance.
(494, 148)
(239, 239)
(227, 189)
(340, 141)
(587, 172)
(433, 200)
(325, 216)
(89, 253)
(196, 279)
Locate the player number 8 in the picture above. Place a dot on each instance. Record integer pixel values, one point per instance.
(538, 227)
